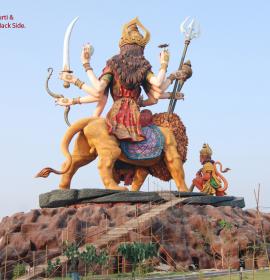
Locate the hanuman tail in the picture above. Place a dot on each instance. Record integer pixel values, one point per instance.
(220, 166)
(225, 182)
(72, 130)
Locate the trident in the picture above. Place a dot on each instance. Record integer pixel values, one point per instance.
(191, 31)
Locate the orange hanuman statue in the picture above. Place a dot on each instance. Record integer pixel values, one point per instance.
(208, 179)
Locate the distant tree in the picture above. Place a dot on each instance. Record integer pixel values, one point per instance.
(92, 259)
(88, 256)
(137, 252)
(72, 253)
(103, 258)
(52, 266)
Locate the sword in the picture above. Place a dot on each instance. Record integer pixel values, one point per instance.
(66, 68)
(66, 65)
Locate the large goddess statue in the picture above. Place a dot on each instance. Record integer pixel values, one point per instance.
(130, 143)
(124, 75)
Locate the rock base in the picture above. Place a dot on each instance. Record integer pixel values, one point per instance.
(62, 198)
(204, 236)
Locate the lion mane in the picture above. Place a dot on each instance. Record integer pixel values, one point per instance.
(173, 122)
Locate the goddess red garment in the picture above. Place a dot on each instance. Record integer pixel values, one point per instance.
(123, 119)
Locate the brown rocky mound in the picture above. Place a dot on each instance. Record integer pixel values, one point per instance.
(205, 236)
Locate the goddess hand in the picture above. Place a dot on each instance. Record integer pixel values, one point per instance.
(164, 57)
(87, 52)
(67, 77)
(179, 96)
(63, 101)
(180, 75)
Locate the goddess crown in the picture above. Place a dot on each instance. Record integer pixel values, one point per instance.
(131, 34)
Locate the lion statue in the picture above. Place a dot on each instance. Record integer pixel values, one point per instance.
(94, 141)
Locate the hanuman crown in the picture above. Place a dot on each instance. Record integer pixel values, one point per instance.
(206, 150)
(131, 34)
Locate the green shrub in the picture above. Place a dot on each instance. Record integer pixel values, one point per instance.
(52, 266)
(137, 252)
(92, 259)
(19, 270)
(225, 224)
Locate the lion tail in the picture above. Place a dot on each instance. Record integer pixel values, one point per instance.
(72, 130)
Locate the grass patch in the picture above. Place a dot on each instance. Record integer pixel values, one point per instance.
(258, 275)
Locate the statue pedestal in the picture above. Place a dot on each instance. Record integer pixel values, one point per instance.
(62, 198)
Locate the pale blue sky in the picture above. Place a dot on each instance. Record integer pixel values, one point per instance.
(227, 98)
